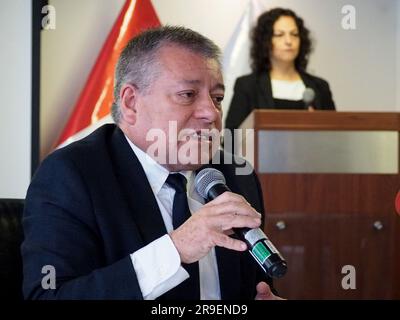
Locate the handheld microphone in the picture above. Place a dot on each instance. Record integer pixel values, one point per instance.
(308, 97)
(210, 183)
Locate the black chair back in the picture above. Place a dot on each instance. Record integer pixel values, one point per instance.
(11, 237)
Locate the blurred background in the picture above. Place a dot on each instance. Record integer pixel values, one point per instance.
(44, 71)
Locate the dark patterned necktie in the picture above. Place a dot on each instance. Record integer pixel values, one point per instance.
(190, 288)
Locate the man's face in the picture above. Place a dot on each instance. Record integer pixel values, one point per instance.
(184, 104)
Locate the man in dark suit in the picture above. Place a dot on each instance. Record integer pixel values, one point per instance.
(100, 213)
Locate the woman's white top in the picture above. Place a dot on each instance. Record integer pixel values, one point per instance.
(287, 90)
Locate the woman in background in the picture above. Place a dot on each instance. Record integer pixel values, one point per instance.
(279, 53)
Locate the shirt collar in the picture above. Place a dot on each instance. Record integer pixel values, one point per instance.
(156, 174)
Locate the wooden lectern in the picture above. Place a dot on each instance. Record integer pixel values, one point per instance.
(329, 181)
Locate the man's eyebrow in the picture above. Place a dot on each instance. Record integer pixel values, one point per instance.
(190, 81)
(217, 86)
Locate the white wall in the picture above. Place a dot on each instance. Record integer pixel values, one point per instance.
(359, 64)
(67, 56)
(15, 93)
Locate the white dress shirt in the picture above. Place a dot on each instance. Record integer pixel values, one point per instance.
(158, 265)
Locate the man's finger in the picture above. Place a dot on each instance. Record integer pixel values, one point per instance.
(225, 241)
(228, 221)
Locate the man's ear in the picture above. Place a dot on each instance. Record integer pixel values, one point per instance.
(128, 103)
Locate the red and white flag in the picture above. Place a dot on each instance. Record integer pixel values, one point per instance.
(94, 104)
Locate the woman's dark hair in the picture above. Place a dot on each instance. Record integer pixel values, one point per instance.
(261, 37)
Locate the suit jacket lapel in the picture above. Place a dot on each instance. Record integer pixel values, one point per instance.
(264, 97)
(139, 195)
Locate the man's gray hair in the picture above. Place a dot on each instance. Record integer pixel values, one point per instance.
(137, 64)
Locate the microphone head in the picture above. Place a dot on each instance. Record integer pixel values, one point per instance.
(308, 96)
(206, 179)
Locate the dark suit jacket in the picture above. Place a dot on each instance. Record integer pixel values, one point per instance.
(254, 91)
(89, 206)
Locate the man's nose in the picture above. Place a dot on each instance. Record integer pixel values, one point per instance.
(207, 110)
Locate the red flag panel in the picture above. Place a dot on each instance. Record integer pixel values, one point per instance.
(96, 97)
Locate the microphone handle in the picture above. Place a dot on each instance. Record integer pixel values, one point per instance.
(258, 244)
(217, 190)
(263, 251)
